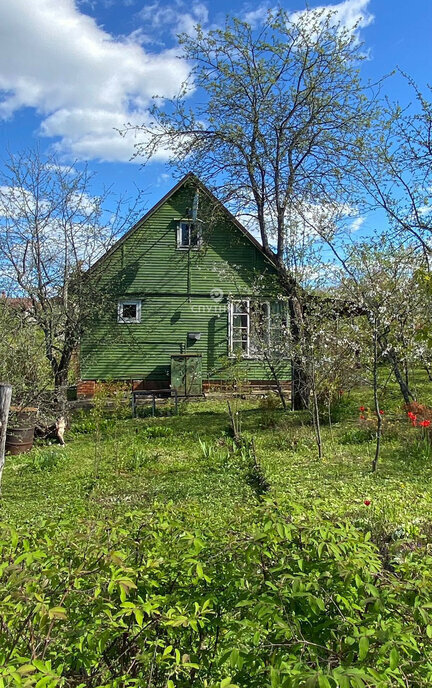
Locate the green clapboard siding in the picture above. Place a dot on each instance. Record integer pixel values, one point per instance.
(175, 288)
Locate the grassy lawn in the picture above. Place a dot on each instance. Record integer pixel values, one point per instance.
(114, 463)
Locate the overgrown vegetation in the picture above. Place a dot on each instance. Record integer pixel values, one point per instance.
(164, 552)
(142, 600)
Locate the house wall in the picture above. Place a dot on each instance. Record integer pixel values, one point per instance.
(143, 351)
(175, 287)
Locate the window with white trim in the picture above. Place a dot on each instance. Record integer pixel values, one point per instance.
(239, 328)
(189, 234)
(249, 327)
(129, 311)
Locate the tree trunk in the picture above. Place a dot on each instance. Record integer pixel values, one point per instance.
(405, 390)
(276, 379)
(427, 369)
(60, 386)
(60, 379)
(376, 403)
(300, 384)
(5, 400)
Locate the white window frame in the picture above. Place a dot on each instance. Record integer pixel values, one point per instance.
(188, 247)
(232, 312)
(129, 302)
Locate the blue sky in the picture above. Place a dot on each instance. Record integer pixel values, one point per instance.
(73, 70)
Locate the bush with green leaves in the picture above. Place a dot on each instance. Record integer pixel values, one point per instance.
(142, 601)
(22, 359)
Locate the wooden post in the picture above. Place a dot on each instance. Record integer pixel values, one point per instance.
(5, 400)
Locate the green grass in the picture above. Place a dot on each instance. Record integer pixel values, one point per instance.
(113, 464)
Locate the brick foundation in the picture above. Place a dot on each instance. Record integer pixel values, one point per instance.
(86, 389)
(247, 386)
(150, 384)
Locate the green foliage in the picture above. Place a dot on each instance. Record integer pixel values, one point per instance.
(43, 459)
(345, 407)
(270, 406)
(22, 359)
(84, 423)
(157, 431)
(357, 435)
(419, 452)
(255, 564)
(161, 410)
(298, 602)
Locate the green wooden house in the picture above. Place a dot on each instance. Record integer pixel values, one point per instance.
(192, 301)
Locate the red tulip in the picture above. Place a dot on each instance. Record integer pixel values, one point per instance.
(381, 413)
(362, 417)
(367, 502)
(362, 408)
(425, 423)
(411, 416)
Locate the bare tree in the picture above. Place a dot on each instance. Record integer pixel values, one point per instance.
(22, 360)
(383, 281)
(51, 230)
(398, 175)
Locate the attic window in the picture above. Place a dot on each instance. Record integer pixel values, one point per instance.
(129, 311)
(189, 234)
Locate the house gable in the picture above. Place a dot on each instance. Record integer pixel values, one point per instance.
(177, 292)
(147, 259)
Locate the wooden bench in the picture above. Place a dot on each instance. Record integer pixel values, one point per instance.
(153, 393)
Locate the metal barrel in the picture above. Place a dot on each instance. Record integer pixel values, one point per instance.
(19, 440)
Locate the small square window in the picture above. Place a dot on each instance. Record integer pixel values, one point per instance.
(189, 234)
(129, 311)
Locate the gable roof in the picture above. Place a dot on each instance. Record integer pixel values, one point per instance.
(190, 176)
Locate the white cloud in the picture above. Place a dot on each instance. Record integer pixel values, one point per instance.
(357, 223)
(85, 83)
(256, 16)
(307, 222)
(74, 222)
(13, 199)
(17, 202)
(80, 79)
(179, 17)
(349, 13)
